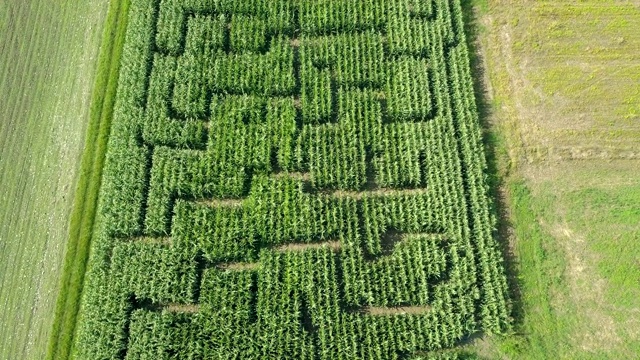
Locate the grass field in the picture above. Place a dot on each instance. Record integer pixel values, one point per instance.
(562, 89)
(48, 51)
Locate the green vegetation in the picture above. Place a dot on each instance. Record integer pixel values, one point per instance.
(590, 251)
(280, 167)
(282, 180)
(88, 186)
(48, 52)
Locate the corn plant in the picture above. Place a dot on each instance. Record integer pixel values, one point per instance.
(293, 179)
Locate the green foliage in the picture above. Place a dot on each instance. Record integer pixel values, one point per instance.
(293, 178)
(248, 34)
(171, 281)
(407, 27)
(170, 26)
(354, 58)
(332, 16)
(205, 37)
(159, 127)
(407, 91)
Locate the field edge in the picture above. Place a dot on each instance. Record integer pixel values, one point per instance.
(533, 262)
(88, 182)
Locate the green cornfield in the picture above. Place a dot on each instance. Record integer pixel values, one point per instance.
(293, 179)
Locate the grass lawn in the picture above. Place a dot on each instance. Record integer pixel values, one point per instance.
(561, 84)
(48, 54)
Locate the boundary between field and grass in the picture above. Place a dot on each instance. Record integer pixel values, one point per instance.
(88, 183)
(527, 257)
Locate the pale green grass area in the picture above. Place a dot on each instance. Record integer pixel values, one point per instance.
(562, 81)
(575, 70)
(48, 52)
(589, 214)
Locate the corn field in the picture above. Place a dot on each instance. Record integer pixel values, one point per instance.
(293, 179)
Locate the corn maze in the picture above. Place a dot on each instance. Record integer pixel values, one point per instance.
(293, 179)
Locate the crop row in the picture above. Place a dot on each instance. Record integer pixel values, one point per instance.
(278, 306)
(259, 18)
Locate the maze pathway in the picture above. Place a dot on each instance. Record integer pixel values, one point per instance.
(293, 179)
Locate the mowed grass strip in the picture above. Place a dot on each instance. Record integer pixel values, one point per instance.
(86, 199)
